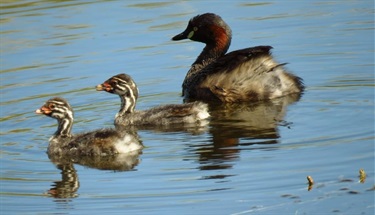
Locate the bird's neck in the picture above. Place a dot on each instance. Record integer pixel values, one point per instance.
(127, 105)
(64, 127)
(211, 52)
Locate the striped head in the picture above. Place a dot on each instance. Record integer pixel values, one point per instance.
(59, 109)
(124, 86)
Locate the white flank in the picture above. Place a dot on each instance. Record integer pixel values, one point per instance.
(202, 112)
(203, 115)
(127, 144)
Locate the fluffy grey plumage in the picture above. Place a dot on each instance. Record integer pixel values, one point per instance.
(100, 142)
(124, 86)
(188, 113)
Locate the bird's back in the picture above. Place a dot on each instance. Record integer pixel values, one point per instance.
(187, 113)
(244, 75)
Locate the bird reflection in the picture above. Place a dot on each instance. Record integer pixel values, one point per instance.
(236, 125)
(69, 184)
(193, 129)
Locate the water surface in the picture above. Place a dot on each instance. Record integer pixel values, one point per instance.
(251, 159)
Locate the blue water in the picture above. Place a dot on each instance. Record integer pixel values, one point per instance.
(251, 159)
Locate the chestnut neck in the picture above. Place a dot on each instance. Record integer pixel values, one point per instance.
(216, 47)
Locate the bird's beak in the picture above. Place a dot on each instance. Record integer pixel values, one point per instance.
(99, 87)
(181, 36)
(104, 87)
(43, 110)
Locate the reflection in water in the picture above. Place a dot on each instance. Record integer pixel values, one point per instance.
(194, 129)
(119, 162)
(255, 123)
(69, 184)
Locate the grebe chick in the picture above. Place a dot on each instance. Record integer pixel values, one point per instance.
(249, 74)
(124, 86)
(101, 142)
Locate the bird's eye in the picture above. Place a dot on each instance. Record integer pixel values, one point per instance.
(195, 29)
(52, 106)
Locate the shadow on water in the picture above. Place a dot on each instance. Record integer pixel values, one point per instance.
(234, 126)
(69, 184)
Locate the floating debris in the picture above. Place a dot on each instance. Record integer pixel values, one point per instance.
(310, 179)
(311, 182)
(362, 176)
